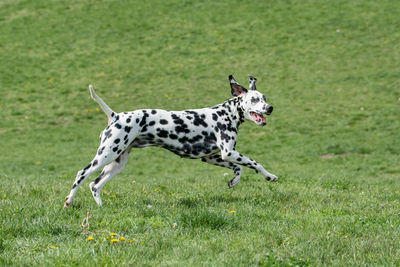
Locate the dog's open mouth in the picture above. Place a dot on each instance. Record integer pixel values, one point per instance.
(258, 118)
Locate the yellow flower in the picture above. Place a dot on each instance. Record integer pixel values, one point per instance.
(114, 240)
(52, 247)
(90, 238)
(122, 238)
(113, 234)
(232, 211)
(132, 240)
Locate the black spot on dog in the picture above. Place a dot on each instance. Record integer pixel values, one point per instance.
(182, 129)
(163, 122)
(125, 137)
(177, 120)
(221, 126)
(99, 178)
(199, 120)
(143, 121)
(221, 112)
(107, 134)
(173, 136)
(118, 159)
(144, 129)
(95, 162)
(225, 137)
(115, 149)
(183, 139)
(162, 133)
(87, 167)
(137, 120)
(81, 179)
(189, 117)
(127, 129)
(196, 139)
(118, 126)
(214, 116)
(210, 139)
(117, 140)
(128, 120)
(154, 111)
(152, 123)
(100, 151)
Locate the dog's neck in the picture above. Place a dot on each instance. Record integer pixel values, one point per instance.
(234, 109)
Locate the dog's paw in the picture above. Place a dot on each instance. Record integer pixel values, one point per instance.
(271, 177)
(96, 194)
(232, 183)
(67, 202)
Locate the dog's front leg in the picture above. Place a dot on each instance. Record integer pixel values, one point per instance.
(217, 160)
(236, 157)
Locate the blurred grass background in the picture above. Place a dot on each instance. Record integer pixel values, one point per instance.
(329, 68)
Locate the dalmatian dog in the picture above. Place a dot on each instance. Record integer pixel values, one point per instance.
(208, 134)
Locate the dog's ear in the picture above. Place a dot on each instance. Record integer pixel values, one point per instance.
(252, 82)
(236, 89)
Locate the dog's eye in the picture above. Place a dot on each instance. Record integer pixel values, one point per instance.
(254, 100)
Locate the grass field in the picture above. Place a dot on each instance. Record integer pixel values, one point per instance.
(331, 69)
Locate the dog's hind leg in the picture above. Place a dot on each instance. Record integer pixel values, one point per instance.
(100, 160)
(218, 161)
(107, 174)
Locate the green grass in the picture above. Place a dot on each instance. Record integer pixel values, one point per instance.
(330, 69)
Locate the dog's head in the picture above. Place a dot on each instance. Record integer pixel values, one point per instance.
(253, 102)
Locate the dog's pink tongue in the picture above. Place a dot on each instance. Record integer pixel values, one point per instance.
(260, 118)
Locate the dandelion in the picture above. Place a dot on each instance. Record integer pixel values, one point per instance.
(90, 238)
(132, 240)
(232, 211)
(113, 234)
(122, 238)
(114, 240)
(52, 247)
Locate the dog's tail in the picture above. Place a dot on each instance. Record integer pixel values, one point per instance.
(109, 112)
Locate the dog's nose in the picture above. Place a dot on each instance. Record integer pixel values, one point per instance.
(270, 109)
